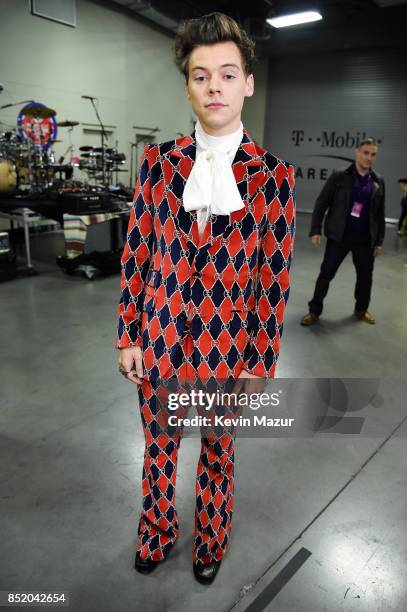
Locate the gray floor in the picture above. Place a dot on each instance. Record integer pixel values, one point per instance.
(72, 448)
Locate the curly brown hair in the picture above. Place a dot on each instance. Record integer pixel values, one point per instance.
(209, 30)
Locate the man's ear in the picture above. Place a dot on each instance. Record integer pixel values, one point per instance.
(249, 86)
(186, 89)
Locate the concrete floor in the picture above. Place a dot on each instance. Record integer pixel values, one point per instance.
(319, 523)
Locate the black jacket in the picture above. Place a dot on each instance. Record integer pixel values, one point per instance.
(335, 198)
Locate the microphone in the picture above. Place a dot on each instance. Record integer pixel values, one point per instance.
(6, 105)
(89, 97)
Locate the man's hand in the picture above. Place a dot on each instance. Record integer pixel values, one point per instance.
(249, 386)
(245, 374)
(316, 239)
(131, 361)
(377, 250)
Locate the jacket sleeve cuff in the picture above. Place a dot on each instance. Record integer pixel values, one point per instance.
(129, 336)
(264, 366)
(122, 344)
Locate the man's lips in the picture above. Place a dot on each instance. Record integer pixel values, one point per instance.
(215, 105)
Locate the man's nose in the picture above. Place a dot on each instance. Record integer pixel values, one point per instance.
(214, 85)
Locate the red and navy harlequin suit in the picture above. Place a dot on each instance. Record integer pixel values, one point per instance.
(212, 305)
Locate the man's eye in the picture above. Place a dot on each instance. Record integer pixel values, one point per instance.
(200, 78)
(230, 76)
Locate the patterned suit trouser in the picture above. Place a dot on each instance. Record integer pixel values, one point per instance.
(158, 527)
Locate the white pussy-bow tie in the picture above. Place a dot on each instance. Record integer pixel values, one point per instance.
(211, 183)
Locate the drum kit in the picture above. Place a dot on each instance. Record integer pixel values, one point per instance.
(31, 168)
(98, 162)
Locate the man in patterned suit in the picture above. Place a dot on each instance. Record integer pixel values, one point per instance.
(205, 279)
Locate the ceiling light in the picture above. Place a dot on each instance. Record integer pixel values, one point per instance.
(294, 19)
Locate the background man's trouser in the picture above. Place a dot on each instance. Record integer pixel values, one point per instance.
(402, 220)
(335, 253)
(158, 527)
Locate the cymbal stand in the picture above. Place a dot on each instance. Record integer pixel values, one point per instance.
(117, 166)
(70, 148)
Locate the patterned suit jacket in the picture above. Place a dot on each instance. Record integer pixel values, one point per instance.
(230, 287)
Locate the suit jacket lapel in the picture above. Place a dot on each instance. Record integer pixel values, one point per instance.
(182, 156)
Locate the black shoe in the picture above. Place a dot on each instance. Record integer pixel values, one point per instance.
(205, 573)
(144, 566)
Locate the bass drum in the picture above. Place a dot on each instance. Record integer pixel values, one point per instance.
(8, 176)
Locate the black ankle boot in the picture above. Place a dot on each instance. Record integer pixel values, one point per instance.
(205, 573)
(144, 566)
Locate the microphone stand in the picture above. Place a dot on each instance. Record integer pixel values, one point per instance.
(103, 136)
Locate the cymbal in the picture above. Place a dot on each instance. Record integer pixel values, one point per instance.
(68, 123)
(86, 148)
(39, 112)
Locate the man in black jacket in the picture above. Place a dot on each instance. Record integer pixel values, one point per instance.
(402, 221)
(354, 202)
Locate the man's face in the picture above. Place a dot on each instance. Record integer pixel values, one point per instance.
(404, 187)
(365, 156)
(217, 86)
